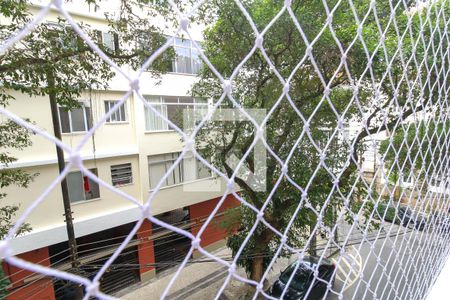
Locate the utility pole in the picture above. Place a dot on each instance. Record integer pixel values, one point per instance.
(61, 165)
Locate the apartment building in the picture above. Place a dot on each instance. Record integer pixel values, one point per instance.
(131, 152)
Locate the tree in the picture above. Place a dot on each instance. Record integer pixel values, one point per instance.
(415, 152)
(325, 92)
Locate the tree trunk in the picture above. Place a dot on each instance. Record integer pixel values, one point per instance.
(261, 245)
(397, 192)
(313, 244)
(257, 268)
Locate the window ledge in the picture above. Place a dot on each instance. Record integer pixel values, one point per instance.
(122, 185)
(183, 74)
(73, 133)
(159, 131)
(117, 123)
(183, 183)
(85, 201)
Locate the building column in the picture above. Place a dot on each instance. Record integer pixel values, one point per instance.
(214, 235)
(146, 252)
(25, 284)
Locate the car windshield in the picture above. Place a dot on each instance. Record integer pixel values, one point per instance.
(300, 279)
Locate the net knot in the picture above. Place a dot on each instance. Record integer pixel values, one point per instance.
(329, 18)
(226, 86)
(259, 133)
(260, 215)
(196, 243)
(75, 158)
(146, 210)
(306, 127)
(230, 185)
(232, 268)
(93, 288)
(184, 22)
(259, 41)
(286, 88)
(259, 287)
(134, 85)
(189, 144)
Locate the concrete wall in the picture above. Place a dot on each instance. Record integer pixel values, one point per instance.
(214, 232)
(24, 283)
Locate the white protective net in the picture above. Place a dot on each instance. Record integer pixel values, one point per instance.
(357, 140)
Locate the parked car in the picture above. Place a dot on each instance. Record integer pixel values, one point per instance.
(408, 217)
(303, 278)
(403, 215)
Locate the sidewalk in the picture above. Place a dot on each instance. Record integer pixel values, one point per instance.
(199, 280)
(440, 290)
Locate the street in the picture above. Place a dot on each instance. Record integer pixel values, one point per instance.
(392, 267)
(388, 261)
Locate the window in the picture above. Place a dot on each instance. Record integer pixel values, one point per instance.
(121, 174)
(109, 40)
(158, 165)
(119, 115)
(188, 169)
(187, 58)
(62, 36)
(194, 169)
(81, 187)
(171, 108)
(75, 120)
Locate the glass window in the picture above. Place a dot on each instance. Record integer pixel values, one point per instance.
(108, 40)
(188, 169)
(172, 108)
(78, 119)
(182, 63)
(75, 120)
(159, 165)
(187, 58)
(196, 61)
(81, 187)
(65, 120)
(202, 170)
(119, 115)
(62, 36)
(152, 121)
(121, 174)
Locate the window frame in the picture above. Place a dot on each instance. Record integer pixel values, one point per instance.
(86, 117)
(100, 34)
(196, 104)
(180, 169)
(110, 104)
(190, 48)
(92, 170)
(64, 29)
(118, 166)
